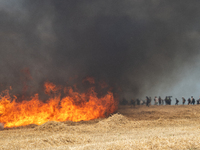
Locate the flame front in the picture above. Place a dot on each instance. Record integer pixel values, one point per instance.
(73, 107)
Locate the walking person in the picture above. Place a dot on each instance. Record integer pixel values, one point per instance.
(138, 101)
(166, 100)
(170, 100)
(156, 100)
(159, 100)
(177, 101)
(198, 101)
(132, 102)
(162, 101)
(183, 100)
(189, 101)
(147, 101)
(150, 100)
(192, 100)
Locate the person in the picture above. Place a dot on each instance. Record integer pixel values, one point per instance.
(162, 101)
(159, 100)
(124, 102)
(132, 102)
(138, 101)
(198, 101)
(183, 99)
(166, 100)
(177, 101)
(156, 100)
(170, 100)
(150, 100)
(189, 101)
(142, 102)
(147, 101)
(192, 100)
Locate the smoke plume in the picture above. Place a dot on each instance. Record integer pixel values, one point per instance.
(143, 47)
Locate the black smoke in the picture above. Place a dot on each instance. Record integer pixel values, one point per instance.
(139, 46)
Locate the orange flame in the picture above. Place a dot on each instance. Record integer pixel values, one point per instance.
(74, 107)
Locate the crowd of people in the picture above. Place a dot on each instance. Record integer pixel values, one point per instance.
(166, 101)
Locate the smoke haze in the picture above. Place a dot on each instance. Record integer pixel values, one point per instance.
(144, 47)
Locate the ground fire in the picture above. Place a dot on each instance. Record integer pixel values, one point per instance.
(74, 106)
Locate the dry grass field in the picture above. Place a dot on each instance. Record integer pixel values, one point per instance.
(140, 127)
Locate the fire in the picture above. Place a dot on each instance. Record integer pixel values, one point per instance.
(73, 106)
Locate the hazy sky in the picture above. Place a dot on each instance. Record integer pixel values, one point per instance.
(145, 47)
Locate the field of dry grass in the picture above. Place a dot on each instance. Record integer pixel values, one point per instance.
(140, 127)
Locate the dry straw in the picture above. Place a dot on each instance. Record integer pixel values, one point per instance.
(156, 127)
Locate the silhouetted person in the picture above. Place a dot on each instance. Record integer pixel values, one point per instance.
(189, 101)
(124, 102)
(166, 100)
(198, 101)
(150, 100)
(170, 100)
(177, 101)
(162, 101)
(147, 101)
(132, 102)
(192, 100)
(138, 102)
(159, 100)
(183, 100)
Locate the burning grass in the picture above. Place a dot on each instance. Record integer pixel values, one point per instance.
(74, 106)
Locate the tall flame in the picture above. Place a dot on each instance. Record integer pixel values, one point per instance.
(73, 106)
